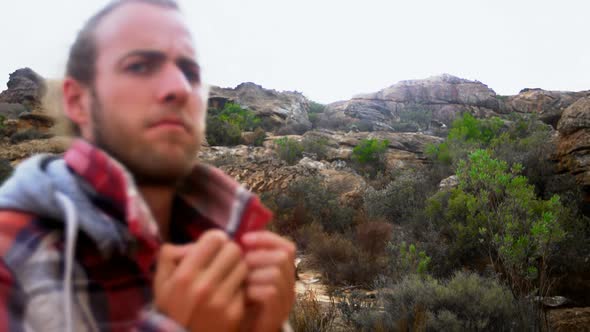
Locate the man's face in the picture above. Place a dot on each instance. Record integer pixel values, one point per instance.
(148, 106)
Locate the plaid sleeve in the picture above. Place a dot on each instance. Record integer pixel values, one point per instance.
(151, 320)
(12, 302)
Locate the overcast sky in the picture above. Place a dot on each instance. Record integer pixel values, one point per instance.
(331, 50)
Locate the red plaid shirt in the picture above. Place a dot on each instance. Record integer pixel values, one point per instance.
(112, 290)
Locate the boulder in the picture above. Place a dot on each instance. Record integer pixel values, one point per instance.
(548, 105)
(25, 87)
(414, 106)
(573, 149)
(285, 112)
(11, 110)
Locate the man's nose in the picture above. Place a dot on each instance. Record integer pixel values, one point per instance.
(173, 86)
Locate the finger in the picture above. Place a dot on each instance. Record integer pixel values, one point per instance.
(168, 258)
(267, 275)
(262, 258)
(200, 255)
(223, 264)
(262, 293)
(233, 283)
(236, 309)
(268, 240)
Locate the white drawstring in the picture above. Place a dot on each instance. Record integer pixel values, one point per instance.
(71, 234)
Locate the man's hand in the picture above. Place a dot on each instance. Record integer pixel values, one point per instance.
(200, 286)
(270, 285)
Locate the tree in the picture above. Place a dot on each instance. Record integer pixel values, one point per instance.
(496, 209)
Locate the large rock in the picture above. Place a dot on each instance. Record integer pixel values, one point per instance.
(404, 150)
(17, 152)
(11, 110)
(24, 87)
(574, 142)
(548, 105)
(260, 170)
(284, 111)
(414, 105)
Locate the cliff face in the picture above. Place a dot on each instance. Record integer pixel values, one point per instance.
(574, 142)
(409, 114)
(416, 105)
(428, 104)
(284, 111)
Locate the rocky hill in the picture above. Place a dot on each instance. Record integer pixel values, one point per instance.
(409, 114)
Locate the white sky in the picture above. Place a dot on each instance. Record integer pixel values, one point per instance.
(331, 50)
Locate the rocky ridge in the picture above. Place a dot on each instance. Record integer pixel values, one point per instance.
(284, 111)
(430, 104)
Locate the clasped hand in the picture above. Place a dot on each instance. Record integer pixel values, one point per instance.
(214, 285)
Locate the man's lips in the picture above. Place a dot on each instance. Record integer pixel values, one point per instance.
(172, 123)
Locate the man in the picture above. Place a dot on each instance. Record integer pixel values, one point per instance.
(126, 232)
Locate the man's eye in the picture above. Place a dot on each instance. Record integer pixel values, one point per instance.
(138, 68)
(192, 75)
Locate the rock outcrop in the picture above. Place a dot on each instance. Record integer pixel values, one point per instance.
(416, 102)
(548, 105)
(25, 87)
(285, 112)
(574, 142)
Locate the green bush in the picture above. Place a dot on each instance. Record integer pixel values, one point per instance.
(494, 211)
(466, 302)
(413, 119)
(369, 156)
(369, 150)
(316, 145)
(400, 200)
(289, 150)
(225, 127)
(467, 134)
(307, 201)
(410, 260)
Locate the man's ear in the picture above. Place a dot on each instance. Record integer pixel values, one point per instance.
(76, 102)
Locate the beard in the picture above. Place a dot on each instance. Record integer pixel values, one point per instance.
(148, 166)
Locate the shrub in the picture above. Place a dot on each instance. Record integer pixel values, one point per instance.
(321, 205)
(400, 200)
(373, 237)
(342, 262)
(259, 136)
(289, 150)
(225, 127)
(315, 108)
(467, 134)
(413, 119)
(410, 260)
(316, 145)
(360, 313)
(307, 201)
(309, 315)
(466, 302)
(494, 210)
(369, 155)
(369, 151)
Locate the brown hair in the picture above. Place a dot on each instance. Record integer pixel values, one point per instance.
(81, 64)
(83, 52)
